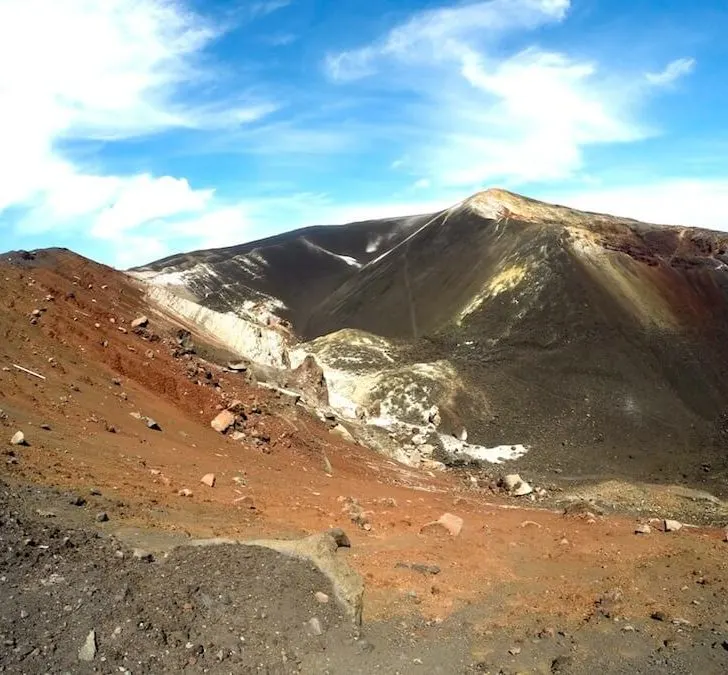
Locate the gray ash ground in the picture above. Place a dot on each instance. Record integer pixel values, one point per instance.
(237, 609)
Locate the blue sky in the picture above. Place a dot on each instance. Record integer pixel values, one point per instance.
(131, 129)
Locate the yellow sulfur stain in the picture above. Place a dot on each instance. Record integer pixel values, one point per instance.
(505, 280)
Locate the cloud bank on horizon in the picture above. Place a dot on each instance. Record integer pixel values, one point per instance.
(131, 129)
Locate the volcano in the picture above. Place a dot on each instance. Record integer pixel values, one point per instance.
(598, 342)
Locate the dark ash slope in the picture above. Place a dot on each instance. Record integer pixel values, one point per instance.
(601, 342)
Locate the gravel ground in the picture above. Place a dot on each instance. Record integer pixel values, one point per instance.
(73, 600)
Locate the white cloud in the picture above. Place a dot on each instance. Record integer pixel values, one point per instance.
(444, 33)
(674, 201)
(74, 69)
(489, 110)
(672, 72)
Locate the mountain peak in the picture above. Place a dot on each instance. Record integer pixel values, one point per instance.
(497, 204)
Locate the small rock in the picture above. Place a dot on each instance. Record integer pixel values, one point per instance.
(140, 322)
(315, 625)
(185, 492)
(628, 628)
(223, 421)
(523, 489)
(322, 597)
(514, 651)
(642, 529)
(141, 554)
(658, 616)
(450, 523)
(45, 427)
(672, 525)
(511, 481)
(88, 650)
(151, 424)
(116, 381)
(18, 439)
(208, 479)
(77, 501)
(102, 517)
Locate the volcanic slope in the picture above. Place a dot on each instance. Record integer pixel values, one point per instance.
(289, 273)
(599, 342)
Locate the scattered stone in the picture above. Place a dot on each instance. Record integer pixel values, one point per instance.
(77, 500)
(140, 322)
(237, 436)
(223, 421)
(672, 525)
(450, 523)
(628, 628)
(88, 649)
(102, 517)
(510, 481)
(514, 651)
(321, 598)
(36, 312)
(642, 529)
(18, 439)
(523, 489)
(315, 625)
(185, 492)
(141, 554)
(151, 424)
(208, 479)
(116, 381)
(236, 407)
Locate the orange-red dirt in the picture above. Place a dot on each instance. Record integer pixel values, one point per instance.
(508, 561)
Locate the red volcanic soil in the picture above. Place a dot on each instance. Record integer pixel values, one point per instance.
(507, 564)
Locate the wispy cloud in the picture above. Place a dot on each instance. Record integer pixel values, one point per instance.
(672, 72)
(487, 112)
(268, 7)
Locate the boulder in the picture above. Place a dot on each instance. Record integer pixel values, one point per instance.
(223, 421)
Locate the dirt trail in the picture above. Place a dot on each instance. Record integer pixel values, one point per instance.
(512, 572)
